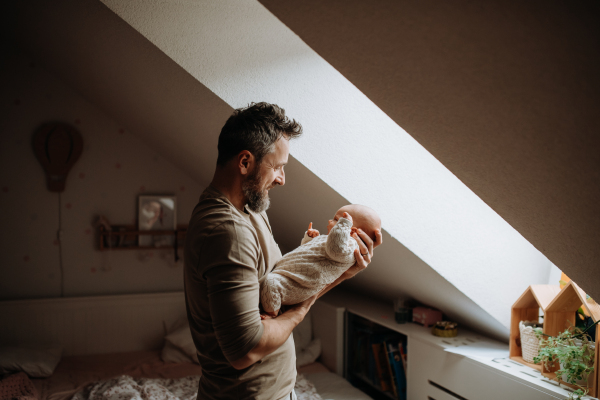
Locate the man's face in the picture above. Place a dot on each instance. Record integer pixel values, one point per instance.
(268, 174)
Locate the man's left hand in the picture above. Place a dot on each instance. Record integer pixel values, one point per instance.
(364, 253)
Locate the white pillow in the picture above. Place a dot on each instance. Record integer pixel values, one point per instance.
(307, 350)
(181, 339)
(309, 354)
(34, 362)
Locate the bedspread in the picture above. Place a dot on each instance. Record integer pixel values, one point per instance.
(126, 387)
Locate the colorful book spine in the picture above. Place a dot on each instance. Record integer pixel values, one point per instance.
(382, 367)
(397, 371)
(391, 370)
(403, 357)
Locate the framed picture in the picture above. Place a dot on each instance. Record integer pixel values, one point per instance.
(157, 213)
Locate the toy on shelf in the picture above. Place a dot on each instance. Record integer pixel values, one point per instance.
(426, 316)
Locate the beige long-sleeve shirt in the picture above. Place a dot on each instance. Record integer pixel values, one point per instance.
(227, 254)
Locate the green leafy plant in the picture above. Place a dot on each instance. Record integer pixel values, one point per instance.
(573, 352)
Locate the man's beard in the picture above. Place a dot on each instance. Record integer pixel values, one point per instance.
(256, 198)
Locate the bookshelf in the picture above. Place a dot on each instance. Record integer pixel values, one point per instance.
(375, 364)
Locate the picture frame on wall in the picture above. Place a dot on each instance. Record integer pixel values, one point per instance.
(157, 213)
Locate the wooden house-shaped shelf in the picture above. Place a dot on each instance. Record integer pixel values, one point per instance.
(527, 308)
(560, 314)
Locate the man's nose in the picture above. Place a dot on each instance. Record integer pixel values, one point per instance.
(280, 180)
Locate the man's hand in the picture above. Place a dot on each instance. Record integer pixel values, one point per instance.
(366, 244)
(364, 253)
(313, 233)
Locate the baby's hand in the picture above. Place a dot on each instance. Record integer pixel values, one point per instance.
(313, 233)
(347, 216)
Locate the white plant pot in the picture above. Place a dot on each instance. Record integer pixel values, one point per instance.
(530, 344)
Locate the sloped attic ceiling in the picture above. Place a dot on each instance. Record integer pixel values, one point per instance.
(155, 98)
(505, 94)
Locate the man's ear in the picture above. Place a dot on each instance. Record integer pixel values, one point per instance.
(245, 162)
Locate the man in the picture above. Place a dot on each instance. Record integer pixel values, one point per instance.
(229, 250)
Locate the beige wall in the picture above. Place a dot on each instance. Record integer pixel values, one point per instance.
(504, 93)
(114, 168)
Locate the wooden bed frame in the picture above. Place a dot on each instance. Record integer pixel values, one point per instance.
(123, 323)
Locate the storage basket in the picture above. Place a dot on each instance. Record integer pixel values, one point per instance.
(530, 344)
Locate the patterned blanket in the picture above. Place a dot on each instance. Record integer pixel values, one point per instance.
(125, 387)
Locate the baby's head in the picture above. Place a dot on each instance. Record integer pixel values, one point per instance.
(363, 217)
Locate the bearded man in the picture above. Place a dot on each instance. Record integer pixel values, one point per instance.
(230, 249)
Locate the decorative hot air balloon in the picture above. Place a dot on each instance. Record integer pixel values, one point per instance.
(57, 146)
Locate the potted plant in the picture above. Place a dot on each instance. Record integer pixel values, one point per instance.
(573, 352)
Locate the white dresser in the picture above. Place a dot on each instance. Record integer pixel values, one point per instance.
(470, 366)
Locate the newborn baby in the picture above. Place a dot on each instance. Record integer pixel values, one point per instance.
(319, 260)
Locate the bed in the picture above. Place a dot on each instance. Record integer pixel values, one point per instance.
(114, 347)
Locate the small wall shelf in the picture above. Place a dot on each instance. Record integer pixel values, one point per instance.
(527, 308)
(561, 313)
(125, 237)
(560, 309)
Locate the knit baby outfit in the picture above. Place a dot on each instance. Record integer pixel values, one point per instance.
(306, 270)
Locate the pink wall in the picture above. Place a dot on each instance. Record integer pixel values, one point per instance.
(115, 167)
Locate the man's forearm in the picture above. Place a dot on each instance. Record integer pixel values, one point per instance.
(276, 332)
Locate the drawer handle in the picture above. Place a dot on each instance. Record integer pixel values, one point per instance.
(443, 389)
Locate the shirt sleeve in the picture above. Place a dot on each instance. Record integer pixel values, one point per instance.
(340, 245)
(231, 255)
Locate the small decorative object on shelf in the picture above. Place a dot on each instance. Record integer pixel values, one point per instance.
(402, 311)
(426, 316)
(445, 329)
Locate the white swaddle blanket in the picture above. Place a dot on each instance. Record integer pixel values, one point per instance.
(306, 270)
